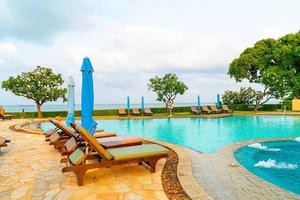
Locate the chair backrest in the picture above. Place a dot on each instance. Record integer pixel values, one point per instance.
(135, 110)
(122, 111)
(93, 143)
(194, 109)
(1, 111)
(147, 110)
(225, 107)
(213, 107)
(62, 127)
(205, 108)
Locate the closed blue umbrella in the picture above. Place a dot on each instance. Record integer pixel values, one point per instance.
(143, 104)
(198, 101)
(128, 104)
(87, 97)
(71, 102)
(218, 102)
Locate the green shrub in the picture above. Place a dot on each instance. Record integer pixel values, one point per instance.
(111, 112)
(287, 103)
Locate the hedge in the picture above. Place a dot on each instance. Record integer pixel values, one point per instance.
(111, 112)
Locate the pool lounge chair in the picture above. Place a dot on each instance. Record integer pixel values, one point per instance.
(195, 111)
(59, 138)
(148, 112)
(226, 109)
(122, 112)
(205, 109)
(3, 142)
(215, 109)
(135, 111)
(2, 114)
(67, 146)
(70, 133)
(108, 142)
(77, 161)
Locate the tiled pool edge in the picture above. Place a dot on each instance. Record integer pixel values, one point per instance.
(234, 181)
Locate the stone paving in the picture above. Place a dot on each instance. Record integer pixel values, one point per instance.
(30, 169)
(221, 180)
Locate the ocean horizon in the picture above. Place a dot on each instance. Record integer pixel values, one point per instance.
(63, 107)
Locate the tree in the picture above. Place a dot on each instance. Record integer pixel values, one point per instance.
(41, 85)
(274, 64)
(245, 96)
(167, 88)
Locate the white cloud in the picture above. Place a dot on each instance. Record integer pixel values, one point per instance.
(128, 45)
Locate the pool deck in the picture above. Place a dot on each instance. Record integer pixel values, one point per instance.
(215, 173)
(30, 169)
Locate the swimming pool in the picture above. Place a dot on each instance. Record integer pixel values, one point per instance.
(277, 162)
(206, 134)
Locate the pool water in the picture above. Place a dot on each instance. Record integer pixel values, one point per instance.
(277, 162)
(205, 134)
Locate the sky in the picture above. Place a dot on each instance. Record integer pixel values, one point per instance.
(131, 41)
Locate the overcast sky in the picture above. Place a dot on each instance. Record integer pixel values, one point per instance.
(131, 41)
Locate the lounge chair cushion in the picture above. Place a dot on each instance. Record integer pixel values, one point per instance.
(109, 142)
(71, 144)
(103, 134)
(140, 151)
(2, 141)
(77, 157)
(54, 137)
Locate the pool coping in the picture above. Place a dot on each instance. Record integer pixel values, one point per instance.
(227, 152)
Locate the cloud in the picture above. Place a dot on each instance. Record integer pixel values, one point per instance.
(128, 43)
(41, 21)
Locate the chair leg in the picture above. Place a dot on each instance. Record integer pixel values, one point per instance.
(80, 176)
(63, 160)
(153, 163)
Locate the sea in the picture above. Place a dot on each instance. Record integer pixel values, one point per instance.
(63, 107)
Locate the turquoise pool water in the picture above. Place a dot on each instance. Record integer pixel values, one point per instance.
(277, 162)
(204, 134)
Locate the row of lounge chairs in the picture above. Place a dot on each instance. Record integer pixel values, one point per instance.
(3, 115)
(83, 151)
(136, 112)
(213, 109)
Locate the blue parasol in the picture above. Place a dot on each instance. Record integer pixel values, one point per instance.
(198, 101)
(143, 104)
(128, 105)
(218, 102)
(87, 97)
